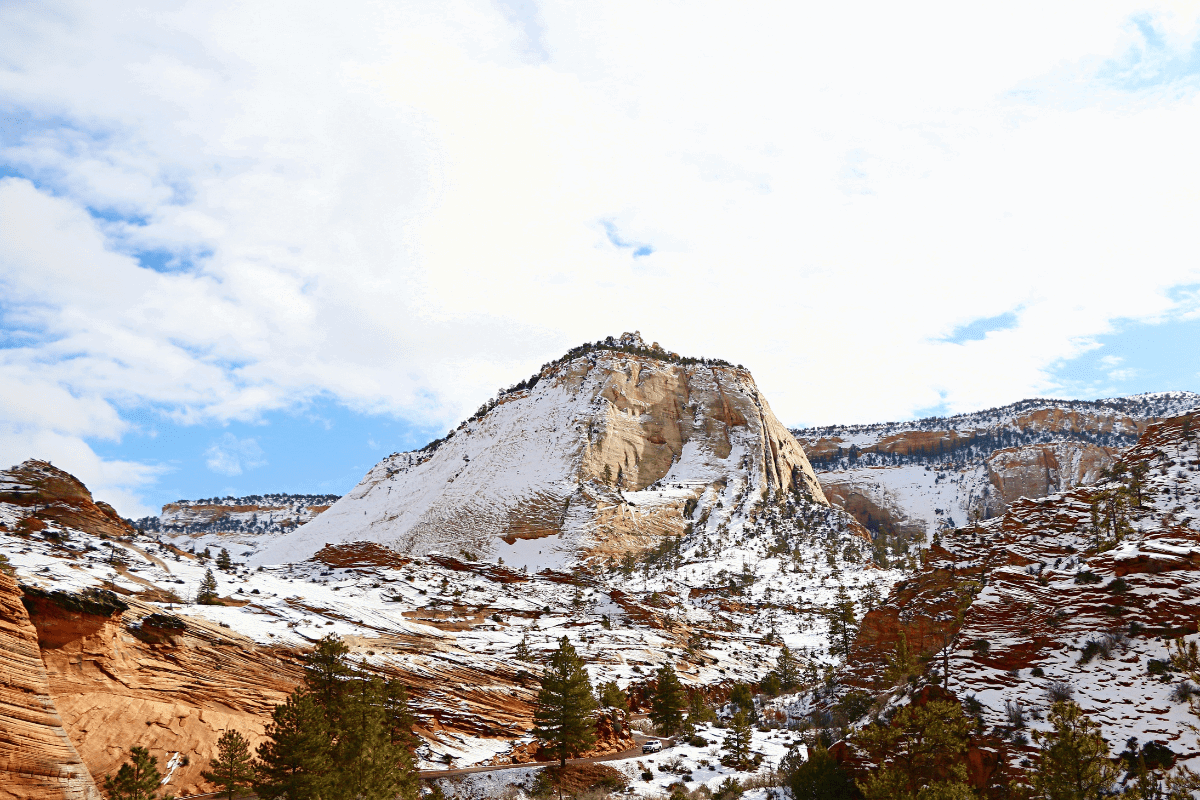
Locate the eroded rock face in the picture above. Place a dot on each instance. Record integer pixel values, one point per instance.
(1081, 589)
(173, 694)
(50, 495)
(607, 450)
(1039, 470)
(38, 760)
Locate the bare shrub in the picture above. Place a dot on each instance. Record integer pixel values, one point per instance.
(1059, 692)
(1015, 712)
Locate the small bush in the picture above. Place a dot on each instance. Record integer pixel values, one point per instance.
(1015, 713)
(981, 647)
(1059, 692)
(729, 789)
(1184, 690)
(1118, 586)
(1037, 672)
(1086, 577)
(1157, 666)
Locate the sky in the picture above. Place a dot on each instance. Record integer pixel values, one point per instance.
(254, 247)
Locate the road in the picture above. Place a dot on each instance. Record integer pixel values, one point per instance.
(633, 752)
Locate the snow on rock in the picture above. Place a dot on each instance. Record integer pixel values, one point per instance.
(940, 472)
(1082, 590)
(611, 447)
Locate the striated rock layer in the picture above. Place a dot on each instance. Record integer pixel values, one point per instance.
(1084, 589)
(608, 448)
(37, 758)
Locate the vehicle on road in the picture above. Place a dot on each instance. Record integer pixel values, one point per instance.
(652, 746)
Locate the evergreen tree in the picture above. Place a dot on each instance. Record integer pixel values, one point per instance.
(901, 663)
(666, 707)
(611, 696)
(563, 716)
(232, 769)
(207, 595)
(327, 674)
(921, 754)
(843, 624)
(698, 709)
(819, 777)
(369, 762)
(1074, 763)
(137, 779)
(788, 669)
(224, 562)
(743, 698)
(523, 653)
(737, 742)
(398, 718)
(295, 760)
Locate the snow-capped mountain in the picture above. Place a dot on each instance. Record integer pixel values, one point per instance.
(604, 450)
(941, 472)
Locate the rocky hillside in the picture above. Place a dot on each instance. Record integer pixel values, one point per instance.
(714, 588)
(237, 524)
(1079, 594)
(916, 478)
(605, 450)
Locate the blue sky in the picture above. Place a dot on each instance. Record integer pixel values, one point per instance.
(254, 248)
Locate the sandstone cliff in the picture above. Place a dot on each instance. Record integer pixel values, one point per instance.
(38, 760)
(606, 449)
(917, 477)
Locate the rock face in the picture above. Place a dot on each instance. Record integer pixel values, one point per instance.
(226, 516)
(1085, 588)
(37, 758)
(918, 477)
(1041, 469)
(47, 494)
(611, 446)
(173, 691)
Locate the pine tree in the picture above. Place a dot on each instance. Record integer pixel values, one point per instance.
(522, 653)
(369, 762)
(137, 779)
(922, 753)
(563, 716)
(611, 696)
(207, 595)
(231, 769)
(737, 742)
(818, 777)
(1074, 763)
(901, 663)
(788, 669)
(743, 698)
(698, 709)
(295, 760)
(668, 702)
(843, 624)
(327, 673)
(224, 562)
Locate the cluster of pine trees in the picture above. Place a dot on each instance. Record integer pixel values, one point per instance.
(344, 734)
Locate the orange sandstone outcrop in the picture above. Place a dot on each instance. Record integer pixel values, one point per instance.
(37, 758)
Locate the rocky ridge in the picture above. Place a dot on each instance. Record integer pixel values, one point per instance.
(1078, 594)
(916, 478)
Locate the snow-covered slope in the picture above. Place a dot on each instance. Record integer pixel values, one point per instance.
(918, 477)
(1082, 593)
(606, 449)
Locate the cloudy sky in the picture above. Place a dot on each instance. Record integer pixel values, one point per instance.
(252, 247)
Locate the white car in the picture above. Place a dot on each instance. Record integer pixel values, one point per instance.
(652, 746)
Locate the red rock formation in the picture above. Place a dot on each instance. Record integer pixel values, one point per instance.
(37, 759)
(51, 495)
(178, 695)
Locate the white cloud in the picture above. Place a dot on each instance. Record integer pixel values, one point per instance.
(405, 208)
(230, 455)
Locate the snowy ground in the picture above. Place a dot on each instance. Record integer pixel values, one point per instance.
(717, 610)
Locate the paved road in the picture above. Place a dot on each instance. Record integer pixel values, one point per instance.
(633, 752)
